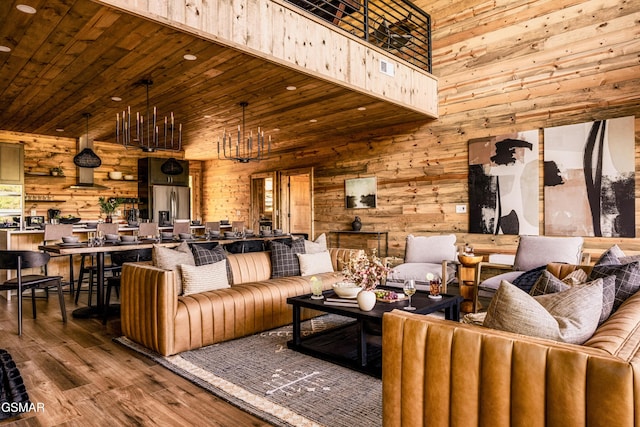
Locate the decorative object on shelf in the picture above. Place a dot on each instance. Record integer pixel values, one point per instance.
(56, 171)
(171, 167)
(115, 175)
(87, 158)
(148, 138)
(245, 149)
(316, 288)
(109, 205)
(356, 225)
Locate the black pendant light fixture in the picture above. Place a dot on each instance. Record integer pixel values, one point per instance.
(87, 158)
(171, 167)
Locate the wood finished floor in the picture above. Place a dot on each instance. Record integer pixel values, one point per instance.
(83, 378)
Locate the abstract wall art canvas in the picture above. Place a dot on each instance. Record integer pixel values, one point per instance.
(360, 193)
(504, 184)
(589, 179)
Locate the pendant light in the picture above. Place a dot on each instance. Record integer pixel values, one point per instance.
(87, 158)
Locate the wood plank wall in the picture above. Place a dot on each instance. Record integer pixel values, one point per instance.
(503, 66)
(44, 152)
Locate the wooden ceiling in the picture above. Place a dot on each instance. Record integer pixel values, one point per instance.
(72, 57)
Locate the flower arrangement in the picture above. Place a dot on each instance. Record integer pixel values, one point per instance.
(366, 272)
(109, 205)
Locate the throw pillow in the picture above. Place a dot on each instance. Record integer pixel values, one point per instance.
(526, 280)
(315, 263)
(319, 245)
(284, 261)
(576, 277)
(569, 316)
(549, 284)
(207, 277)
(171, 259)
(432, 249)
(627, 279)
(203, 256)
(534, 251)
(611, 256)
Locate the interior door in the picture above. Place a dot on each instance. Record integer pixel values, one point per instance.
(297, 201)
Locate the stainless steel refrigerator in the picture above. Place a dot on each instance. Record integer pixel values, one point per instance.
(173, 199)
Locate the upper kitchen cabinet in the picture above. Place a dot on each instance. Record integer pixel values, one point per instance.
(11, 163)
(162, 171)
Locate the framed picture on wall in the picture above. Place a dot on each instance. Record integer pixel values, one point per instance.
(360, 193)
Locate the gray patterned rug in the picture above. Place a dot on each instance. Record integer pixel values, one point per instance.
(260, 375)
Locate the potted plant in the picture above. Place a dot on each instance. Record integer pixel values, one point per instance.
(109, 205)
(56, 171)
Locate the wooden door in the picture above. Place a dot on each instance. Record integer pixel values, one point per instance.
(297, 201)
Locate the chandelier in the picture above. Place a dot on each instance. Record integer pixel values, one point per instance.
(147, 133)
(244, 149)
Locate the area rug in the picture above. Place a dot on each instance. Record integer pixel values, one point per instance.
(260, 375)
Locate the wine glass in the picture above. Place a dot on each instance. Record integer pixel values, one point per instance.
(409, 290)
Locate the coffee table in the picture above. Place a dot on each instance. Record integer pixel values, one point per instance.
(358, 344)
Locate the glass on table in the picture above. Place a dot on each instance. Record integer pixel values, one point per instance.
(409, 289)
(316, 288)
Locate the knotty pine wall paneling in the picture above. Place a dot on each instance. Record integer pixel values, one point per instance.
(44, 152)
(503, 66)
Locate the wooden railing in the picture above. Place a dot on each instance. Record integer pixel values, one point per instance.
(397, 26)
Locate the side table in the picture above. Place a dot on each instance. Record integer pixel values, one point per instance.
(467, 271)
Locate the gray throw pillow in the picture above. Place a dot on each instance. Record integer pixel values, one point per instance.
(284, 261)
(611, 256)
(570, 316)
(627, 279)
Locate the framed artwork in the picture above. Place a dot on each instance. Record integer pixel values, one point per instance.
(589, 179)
(360, 193)
(504, 184)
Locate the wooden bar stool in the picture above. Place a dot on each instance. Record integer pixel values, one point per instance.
(53, 233)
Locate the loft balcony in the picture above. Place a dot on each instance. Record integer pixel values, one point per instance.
(397, 26)
(380, 48)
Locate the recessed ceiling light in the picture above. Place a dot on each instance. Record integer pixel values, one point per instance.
(59, 130)
(116, 98)
(313, 120)
(207, 116)
(26, 9)
(362, 108)
(190, 57)
(5, 49)
(291, 88)
(276, 129)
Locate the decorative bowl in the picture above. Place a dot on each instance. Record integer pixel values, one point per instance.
(70, 239)
(115, 175)
(112, 237)
(127, 238)
(346, 289)
(166, 235)
(69, 220)
(128, 178)
(185, 236)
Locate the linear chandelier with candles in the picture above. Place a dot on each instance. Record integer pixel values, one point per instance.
(146, 136)
(244, 150)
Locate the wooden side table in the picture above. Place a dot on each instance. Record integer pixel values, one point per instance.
(467, 271)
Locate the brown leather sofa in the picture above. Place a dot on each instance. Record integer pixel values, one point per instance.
(442, 373)
(154, 316)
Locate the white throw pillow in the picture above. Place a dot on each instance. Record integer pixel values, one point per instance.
(315, 263)
(319, 245)
(536, 251)
(434, 249)
(202, 278)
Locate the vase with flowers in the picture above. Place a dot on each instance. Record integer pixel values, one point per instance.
(368, 273)
(109, 205)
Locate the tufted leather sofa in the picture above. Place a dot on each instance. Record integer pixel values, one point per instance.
(442, 373)
(154, 316)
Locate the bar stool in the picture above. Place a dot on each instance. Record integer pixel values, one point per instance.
(91, 268)
(53, 233)
(181, 226)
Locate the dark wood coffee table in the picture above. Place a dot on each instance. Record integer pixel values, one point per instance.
(358, 344)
